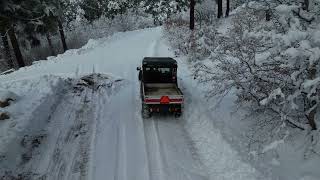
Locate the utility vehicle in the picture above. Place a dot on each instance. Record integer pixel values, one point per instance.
(159, 86)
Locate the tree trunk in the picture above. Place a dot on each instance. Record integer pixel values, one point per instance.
(311, 116)
(306, 5)
(220, 8)
(228, 8)
(50, 44)
(63, 39)
(192, 5)
(16, 47)
(268, 15)
(6, 46)
(311, 102)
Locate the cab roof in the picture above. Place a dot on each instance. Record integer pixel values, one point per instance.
(159, 61)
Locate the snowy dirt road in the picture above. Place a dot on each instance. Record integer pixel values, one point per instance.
(128, 147)
(100, 134)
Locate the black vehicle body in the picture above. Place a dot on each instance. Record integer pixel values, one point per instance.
(159, 88)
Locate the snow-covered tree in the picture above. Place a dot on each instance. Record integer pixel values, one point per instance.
(272, 65)
(162, 10)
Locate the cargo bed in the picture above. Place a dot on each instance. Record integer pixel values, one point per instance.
(162, 89)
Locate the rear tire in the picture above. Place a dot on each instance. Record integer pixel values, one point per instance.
(145, 111)
(177, 115)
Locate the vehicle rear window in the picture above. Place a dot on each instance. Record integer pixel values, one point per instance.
(158, 70)
(158, 74)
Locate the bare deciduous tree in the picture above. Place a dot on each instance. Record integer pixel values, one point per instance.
(227, 7)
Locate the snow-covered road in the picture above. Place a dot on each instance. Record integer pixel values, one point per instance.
(117, 143)
(128, 147)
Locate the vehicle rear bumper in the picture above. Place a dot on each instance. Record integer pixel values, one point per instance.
(165, 108)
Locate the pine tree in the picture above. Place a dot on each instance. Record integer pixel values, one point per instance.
(162, 10)
(27, 16)
(92, 9)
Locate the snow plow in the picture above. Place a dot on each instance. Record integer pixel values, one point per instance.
(159, 87)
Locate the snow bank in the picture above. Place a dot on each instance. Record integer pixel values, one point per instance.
(53, 115)
(32, 93)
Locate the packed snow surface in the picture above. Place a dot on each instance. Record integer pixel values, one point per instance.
(5, 94)
(79, 118)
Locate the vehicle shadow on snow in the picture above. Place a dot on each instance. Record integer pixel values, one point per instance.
(164, 117)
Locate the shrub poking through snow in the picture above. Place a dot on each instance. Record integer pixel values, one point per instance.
(6, 97)
(5, 103)
(4, 116)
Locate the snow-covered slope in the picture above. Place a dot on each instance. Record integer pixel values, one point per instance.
(90, 127)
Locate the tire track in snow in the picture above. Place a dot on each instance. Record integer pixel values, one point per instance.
(153, 49)
(74, 119)
(120, 171)
(144, 134)
(161, 159)
(65, 139)
(149, 163)
(169, 151)
(155, 157)
(117, 155)
(151, 133)
(85, 136)
(129, 147)
(56, 165)
(103, 101)
(101, 97)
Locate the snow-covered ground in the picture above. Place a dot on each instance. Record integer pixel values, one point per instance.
(67, 125)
